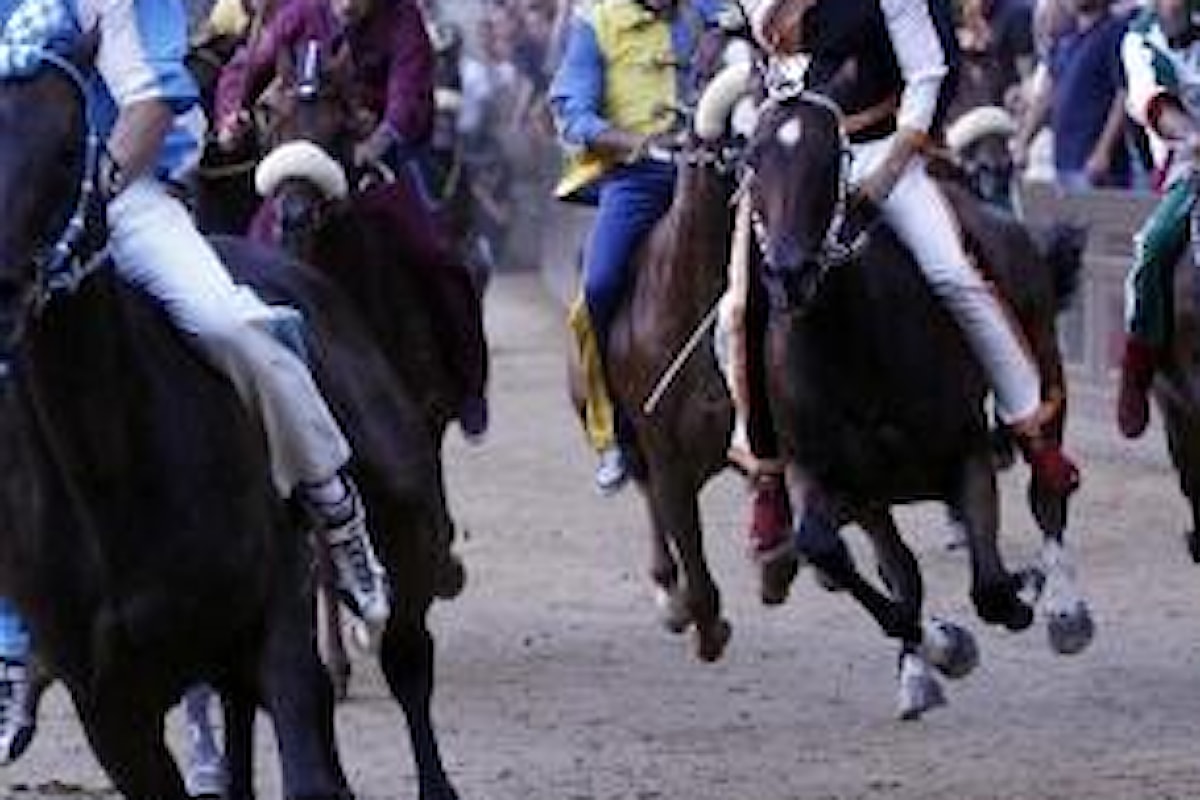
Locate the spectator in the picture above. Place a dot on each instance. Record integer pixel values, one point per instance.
(1084, 100)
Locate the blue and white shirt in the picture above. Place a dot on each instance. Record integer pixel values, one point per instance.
(140, 57)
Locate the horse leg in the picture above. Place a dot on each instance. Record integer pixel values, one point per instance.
(674, 512)
(239, 708)
(407, 658)
(994, 591)
(127, 738)
(919, 690)
(1068, 620)
(295, 688)
(664, 574)
(819, 544)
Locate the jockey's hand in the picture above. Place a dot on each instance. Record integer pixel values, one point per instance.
(372, 149)
(232, 129)
(879, 184)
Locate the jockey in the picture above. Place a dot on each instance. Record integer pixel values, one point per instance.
(629, 64)
(1161, 56)
(885, 64)
(144, 98)
(394, 75)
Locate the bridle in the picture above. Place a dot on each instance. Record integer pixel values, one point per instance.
(61, 267)
(835, 248)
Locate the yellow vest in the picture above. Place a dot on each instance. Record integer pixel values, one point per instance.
(639, 82)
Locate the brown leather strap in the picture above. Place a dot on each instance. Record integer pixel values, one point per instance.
(873, 115)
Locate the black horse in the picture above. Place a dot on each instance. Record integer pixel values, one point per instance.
(144, 541)
(876, 397)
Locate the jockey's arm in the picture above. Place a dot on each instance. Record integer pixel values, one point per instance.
(136, 142)
(408, 114)
(922, 62)
(1152, 93)
(252, 68)
(577, 98)
(147, 78)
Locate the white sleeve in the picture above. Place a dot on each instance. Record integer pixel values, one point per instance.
(1147, 75)
(921, 58)
(142, 46)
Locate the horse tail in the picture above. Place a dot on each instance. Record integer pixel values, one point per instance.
(1061, 246)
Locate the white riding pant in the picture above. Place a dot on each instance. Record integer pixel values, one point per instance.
(919, 214)
(156, 247)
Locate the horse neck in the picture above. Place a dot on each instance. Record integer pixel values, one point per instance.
(690, 268)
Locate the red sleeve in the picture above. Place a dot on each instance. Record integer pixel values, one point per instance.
(409, 109)
(252, 67)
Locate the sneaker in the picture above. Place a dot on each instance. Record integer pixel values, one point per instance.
(358, 576)
(206, 775)
(473, 418)
(18, 723)
(612, 471)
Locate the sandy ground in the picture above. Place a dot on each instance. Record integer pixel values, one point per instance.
(557, 684)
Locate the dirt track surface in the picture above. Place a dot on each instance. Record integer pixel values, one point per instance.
(556, 683)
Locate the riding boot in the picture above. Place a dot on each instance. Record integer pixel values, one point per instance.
(1137, 374)
(1053, 470)
(769, 533)
(359, 577)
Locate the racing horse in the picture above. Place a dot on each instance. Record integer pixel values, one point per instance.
(149, 553)
(145, 552)
(876, 397)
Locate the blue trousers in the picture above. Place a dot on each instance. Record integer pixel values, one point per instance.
(14, 636)
(632, 199)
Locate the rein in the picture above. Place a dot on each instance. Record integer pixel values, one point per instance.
(835, 250)
(64, 265)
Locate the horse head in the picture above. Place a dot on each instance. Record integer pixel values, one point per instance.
(49, 160)
(312, 132)
(796, 176)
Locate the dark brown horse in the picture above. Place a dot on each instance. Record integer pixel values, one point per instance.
(876, 397)
(679, 272)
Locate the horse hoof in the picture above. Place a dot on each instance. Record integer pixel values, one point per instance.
(711, 641)
(775, 578)
(950, 648)
(672, 611)
(1192, 538)
(919, 689)
(1070, 631)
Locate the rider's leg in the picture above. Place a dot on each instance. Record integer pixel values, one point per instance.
(769, 533)
(921, 217)
(156, 246)
(18, 717)
(1149, 293)
(632, 199)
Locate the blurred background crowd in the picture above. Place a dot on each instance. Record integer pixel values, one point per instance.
(1053, 64)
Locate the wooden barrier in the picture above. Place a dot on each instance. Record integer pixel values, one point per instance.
(1091, 331)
